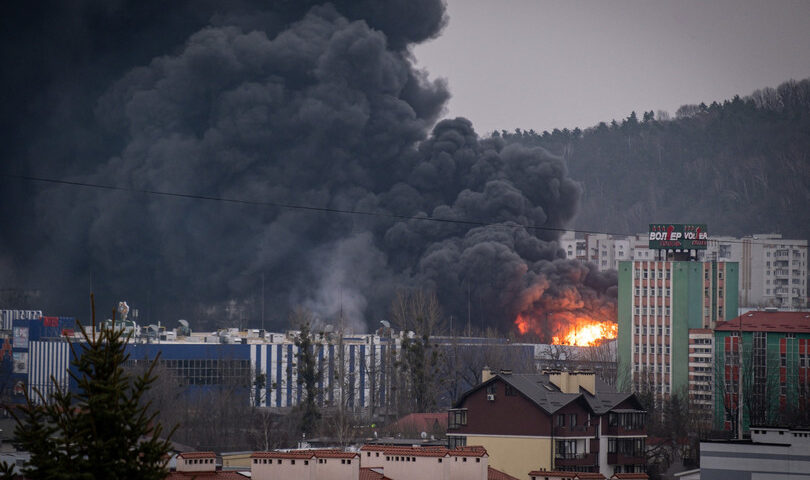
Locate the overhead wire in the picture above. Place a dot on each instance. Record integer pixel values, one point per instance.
(332, 210)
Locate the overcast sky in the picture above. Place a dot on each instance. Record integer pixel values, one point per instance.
(545, 64)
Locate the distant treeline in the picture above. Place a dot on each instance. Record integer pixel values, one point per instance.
(741, 166)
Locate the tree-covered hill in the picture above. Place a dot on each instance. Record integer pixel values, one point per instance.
(741, 166)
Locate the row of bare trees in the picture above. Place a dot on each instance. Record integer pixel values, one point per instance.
(425, 371)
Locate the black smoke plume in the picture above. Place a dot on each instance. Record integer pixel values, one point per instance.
(282, 102)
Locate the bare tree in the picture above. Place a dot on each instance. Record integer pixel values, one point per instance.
(419, 316)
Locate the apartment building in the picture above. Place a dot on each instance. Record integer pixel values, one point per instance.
(701, 368)
(555, 421)
(773, 270)
(603, 250)
(770, 352)
(659, 304)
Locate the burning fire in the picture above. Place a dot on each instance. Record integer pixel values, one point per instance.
(581, 332)
(522, 324)
(587, 333)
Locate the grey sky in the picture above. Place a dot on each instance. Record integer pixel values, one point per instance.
(552, 64)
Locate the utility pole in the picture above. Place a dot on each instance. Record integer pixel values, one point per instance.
(262, 302)
(468, 309)
(740, 385)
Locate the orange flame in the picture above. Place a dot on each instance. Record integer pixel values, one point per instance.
(522, 324)
(587, 333)
(573, 330)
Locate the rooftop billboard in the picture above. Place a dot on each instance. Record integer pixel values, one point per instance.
(683, 236)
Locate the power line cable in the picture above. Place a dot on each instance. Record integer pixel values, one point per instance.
(292, 206)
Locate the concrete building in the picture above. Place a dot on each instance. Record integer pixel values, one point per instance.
(665, 309)
(551, 421)
(603, 250)
(373, 461)
(305, 465)
(770, 454)
(701, 369)
(416, 463)
(770, 351)
(773, 270)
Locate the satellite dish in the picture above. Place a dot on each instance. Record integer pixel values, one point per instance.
(424, 435)
(329, 328)
(183, 323)
(385, 323)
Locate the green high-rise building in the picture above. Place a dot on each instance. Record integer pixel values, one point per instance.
(667, 311)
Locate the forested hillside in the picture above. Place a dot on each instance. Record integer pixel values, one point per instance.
(742, 166)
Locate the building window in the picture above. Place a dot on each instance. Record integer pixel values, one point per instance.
(572, 420)
(509, 391)
(457, 418)
(455, 441)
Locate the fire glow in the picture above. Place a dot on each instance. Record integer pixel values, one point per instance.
(581, 332)
(588, 333)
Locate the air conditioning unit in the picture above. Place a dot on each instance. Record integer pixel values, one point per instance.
(491, 397)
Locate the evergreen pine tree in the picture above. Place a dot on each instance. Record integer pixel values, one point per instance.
(101, 430)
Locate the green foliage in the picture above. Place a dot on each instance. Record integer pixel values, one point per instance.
(100, 432)
(741, 165)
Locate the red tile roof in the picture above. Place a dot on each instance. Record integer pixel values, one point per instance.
(551, 473)
(420, 422)
(758, 321)
(629, 476)
(217, 475)
(589, 476)
(471, 451)
(371, 474)
(296, 454)
(493, 474)
(197, 455)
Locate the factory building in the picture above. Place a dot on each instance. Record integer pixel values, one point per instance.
(260, 367)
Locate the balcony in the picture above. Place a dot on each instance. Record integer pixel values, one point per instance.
(575, 459)
(625, 459)
(615, 430)
(575, 431)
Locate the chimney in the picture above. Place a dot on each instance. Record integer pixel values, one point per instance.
(570, 382)
(486, 374)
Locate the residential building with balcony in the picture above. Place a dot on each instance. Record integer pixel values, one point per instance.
(554, 421)
(666, 309)
(773, 270)
(701, 369)
(769, 351)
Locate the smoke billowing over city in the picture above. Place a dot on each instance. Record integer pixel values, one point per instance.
(317, 106)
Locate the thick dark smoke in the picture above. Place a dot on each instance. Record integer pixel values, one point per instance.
(295, 103)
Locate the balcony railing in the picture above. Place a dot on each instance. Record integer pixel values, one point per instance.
(574, 459)
(630, 430)
(575, 431)
(625, 459)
